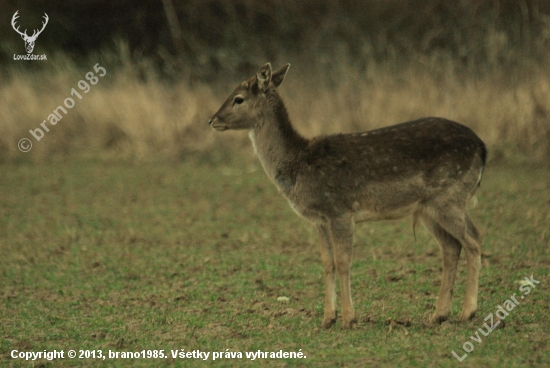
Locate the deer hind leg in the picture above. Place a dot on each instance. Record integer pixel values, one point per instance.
(342, 236)
(457, 223)
(472, 230)
(472, 246)
(327, 255)
(450, 250)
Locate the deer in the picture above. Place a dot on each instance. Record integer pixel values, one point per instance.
(428, 168)
(29, 40)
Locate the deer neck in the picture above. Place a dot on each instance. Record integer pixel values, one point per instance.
(277, 144)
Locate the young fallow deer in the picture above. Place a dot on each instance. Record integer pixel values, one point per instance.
(429, 168)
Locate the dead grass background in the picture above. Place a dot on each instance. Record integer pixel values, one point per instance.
(471, 67)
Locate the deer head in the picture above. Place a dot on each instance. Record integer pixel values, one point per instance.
(29, 40)
(243, 107)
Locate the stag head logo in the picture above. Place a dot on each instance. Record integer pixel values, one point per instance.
(29, 40)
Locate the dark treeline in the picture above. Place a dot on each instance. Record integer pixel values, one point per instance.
(210, 36)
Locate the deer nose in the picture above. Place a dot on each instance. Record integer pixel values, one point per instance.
(211, 121)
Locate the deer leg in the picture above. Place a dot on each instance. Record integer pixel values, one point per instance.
(472, 246)
(459, 225)
(342, 235)
(450, 250)
(327, 255)
(472, 230)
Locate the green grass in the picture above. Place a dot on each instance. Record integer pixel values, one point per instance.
(193, 255)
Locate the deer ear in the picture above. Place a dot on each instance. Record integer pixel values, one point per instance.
(263, 77)
(278, 75)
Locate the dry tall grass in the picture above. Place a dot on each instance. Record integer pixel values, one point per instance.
(131, 113)
(513, 118)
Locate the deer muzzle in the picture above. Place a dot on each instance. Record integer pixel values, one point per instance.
(215, 123)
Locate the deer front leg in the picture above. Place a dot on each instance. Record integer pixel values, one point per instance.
(342, 235)
(327, 255)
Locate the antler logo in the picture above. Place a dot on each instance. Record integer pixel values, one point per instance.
(29, 40)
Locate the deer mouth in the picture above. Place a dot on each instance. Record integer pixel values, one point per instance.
(216, 124)
(219, 128)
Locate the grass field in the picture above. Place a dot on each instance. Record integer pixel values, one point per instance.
(194, 254)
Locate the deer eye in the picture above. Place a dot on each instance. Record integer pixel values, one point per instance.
(238, 100)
